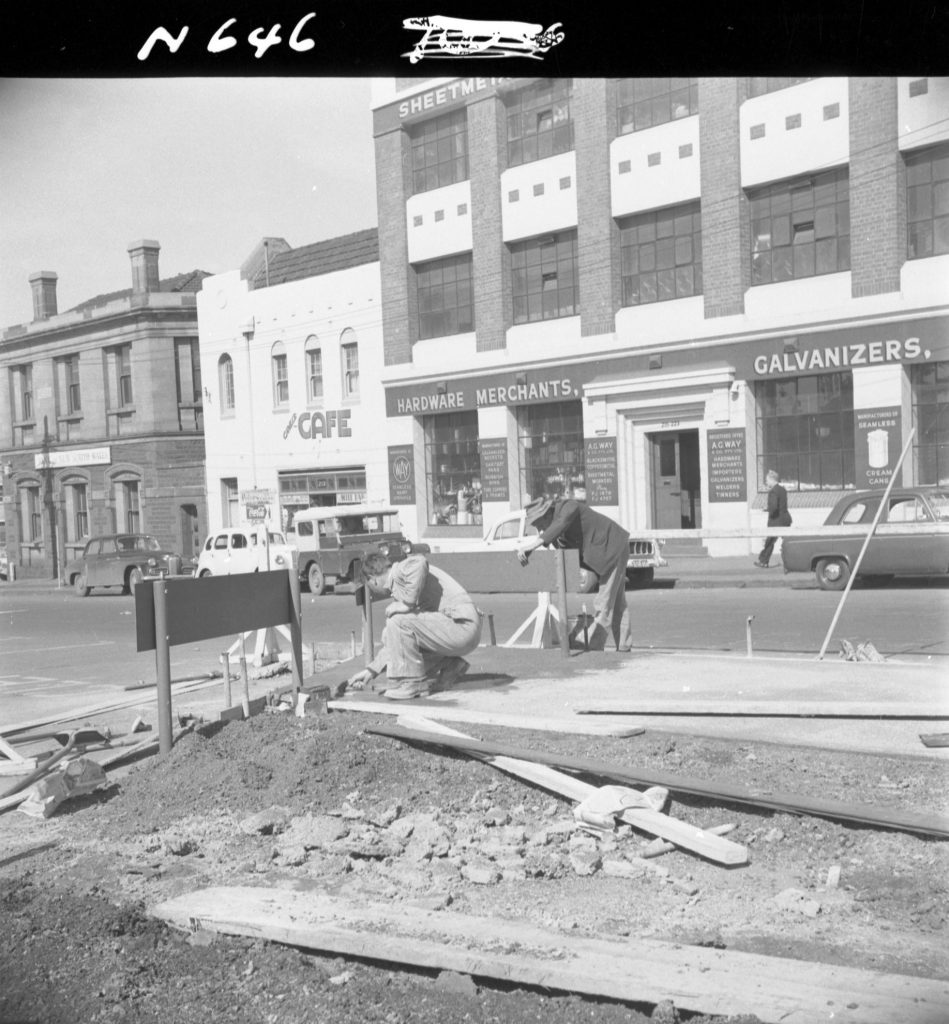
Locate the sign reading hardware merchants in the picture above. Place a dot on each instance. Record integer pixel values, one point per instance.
(726, 466)
(478, 392)
(77, 457)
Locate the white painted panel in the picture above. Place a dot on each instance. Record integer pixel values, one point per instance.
(552, 210)
(675, 179)
(923, 119)
(438, 222)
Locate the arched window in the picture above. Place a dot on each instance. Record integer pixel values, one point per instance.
(225, 373)
(281, 383)
(349, 355)
(313, 355)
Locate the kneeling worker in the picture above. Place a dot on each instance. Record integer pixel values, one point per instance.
(603, 546)
(430, 624)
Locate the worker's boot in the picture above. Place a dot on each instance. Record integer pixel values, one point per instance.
(452, 670)
(409, 688)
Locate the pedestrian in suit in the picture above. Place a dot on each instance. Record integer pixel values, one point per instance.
(778, 515)
(603, 546)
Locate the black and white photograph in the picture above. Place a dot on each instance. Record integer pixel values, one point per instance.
(474, 538)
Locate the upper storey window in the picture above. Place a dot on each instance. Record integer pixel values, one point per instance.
(538, 121)
(440, 151)
(644, 102)
(760, 86)
(927, 202)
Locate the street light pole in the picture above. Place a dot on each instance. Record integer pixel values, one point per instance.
(48, 498)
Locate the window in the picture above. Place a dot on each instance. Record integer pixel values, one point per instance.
(225, 373)
(22, 393)
(77, 512)
(538, 121)
(230, 508)
(930, 383)
(800, 228)
(281, 382)
(349, 351)
(444, 297)
(127, 510)
(545, 280)
(760, 86)
(31, 515)
(661, 255)
(188, 384)
(68, 394)
(805, 431)
(453, 469)
(123, 374)
(314, 369)
(927, 203)
(440, 151)
(550, 448)
(644, 102)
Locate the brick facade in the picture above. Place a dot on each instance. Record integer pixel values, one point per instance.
(393, 178)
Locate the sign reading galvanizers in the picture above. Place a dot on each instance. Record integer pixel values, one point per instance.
(727, 480)
(401, 474)
(494, 479)
(599, 456)
(877, 444)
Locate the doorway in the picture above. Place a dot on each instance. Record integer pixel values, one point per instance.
(190, 530)
(676, 480)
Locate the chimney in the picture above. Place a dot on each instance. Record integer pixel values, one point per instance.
(144, 256)
(43, 283)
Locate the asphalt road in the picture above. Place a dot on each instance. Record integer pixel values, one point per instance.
(60, 650)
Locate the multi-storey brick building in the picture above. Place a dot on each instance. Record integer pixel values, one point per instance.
(101, 411)
(658, 289)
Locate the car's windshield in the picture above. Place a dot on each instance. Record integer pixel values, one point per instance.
(138, 542)
(940, 505)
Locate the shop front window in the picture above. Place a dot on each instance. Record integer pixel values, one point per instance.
(931, 420)
(805, 431)
(453, 469)
(550, 449)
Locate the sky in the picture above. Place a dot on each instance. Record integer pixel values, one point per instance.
(204, 166)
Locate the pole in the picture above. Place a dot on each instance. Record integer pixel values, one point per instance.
(368, 643)
(226, 662)
(748, 635)
(162, 667)
(563, 632)
(296, 629)
(866, 543)
(48, 499)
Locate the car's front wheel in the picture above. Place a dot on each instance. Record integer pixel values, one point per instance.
(80, 586)
(315, 579)
(132, 579)
(203, 573)
(832, 573)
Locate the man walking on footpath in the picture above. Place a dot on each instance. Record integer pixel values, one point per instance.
(430, 624)
(603, 546)
(778, 515)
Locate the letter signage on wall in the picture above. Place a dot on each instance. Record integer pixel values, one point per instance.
(877, 445)
(401, 474)
(600, 471)
(494, 479)
(727, 480)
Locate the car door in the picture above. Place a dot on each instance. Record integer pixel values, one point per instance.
(907, 553)
(241, 554)
(103, 566)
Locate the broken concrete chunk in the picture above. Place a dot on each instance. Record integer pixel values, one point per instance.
(585, 860)
(617, 868)
(267, 822)
(798, 901)
(315, 831)
(481, 872)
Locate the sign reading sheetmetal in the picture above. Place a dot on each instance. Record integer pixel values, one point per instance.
(424, 104)
(76, 457)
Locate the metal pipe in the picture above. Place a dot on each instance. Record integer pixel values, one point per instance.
(748, 635)
(162, 667)
(492, 636)
(563, 634)
(226, 662)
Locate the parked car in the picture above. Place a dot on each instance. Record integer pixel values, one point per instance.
(924, 551)
(644, 555)
(237, 549)
(331, 541)
(4, 564)
(123, 560)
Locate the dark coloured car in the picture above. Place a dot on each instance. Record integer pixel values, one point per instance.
(920, 545)
(123, 560)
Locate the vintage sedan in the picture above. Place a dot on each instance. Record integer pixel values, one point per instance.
(237, 549)
(920, 546)
(123, 560)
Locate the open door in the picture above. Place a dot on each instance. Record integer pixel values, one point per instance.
(676, 480)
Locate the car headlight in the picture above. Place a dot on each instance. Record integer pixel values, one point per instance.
(406, 547)
(152, 563)
(280, 560)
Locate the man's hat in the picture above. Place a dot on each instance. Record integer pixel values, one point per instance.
(537, 508)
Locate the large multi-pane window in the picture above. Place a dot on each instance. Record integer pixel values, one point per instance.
(800, 228)
(453, 469)
(77, 512)
(927, 202)
(545, 280)
(445, 304)
(123, 370)
(349, 354)
(550, 448)
(314, 369)
(188, 382)
(661, 254)
(644, 102)
(760, 86)
(440, 151)
(805, 431)
(68, 392)
(128, 512)
(31, 515)
(225, 373)
(281, 381)
(22, 392)
(538, 121)
(230, 503)
(931, 420)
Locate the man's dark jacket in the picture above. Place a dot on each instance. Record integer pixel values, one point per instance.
(778, 514)
(600, 541)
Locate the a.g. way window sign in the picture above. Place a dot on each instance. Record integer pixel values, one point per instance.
(727, 480)
(599, 466)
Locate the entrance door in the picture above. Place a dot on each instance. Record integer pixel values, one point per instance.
(676, 482)
(190, 537)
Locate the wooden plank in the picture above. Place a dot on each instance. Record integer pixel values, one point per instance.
(697, 979)
(656, 823)
(884, 817)
(736, 707)
(455, 714)
(935, 739)
(9, 751)
(498, 572)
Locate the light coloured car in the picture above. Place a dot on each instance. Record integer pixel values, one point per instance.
(236, 549)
